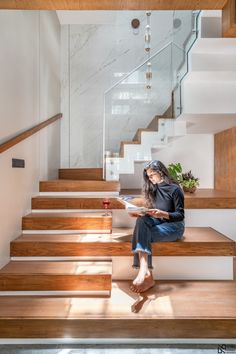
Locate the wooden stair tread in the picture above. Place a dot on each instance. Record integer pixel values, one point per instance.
(130, 142)
(171, 309)
(57, 267)
(192, 234)
(67, 221)
(95, 174)
(63, 185)
(197, 241)
(56, 276)
(201, 296)
(68, 215)
(73, 202)
(202, 199)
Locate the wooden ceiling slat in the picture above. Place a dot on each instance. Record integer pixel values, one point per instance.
(112, 5)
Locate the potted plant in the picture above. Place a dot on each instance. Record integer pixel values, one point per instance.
(188, 182)
(175, 170)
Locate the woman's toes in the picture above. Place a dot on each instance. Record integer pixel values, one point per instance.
(132, 287)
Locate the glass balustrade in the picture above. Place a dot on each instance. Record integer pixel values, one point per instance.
(134, 102)
(181, 50)
(96, 56)
(137, 102)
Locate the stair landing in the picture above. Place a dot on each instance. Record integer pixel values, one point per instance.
(172, 309)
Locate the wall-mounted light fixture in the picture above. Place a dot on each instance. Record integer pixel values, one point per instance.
(135, 23)
(148, 49)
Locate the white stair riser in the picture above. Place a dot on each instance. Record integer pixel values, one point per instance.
(206, 97)
(211, 27)
(142, 152)
(218, 219)
(213, 62)
(213, 54)
(189, 268)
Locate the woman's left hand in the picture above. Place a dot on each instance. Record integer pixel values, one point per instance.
(157, 213)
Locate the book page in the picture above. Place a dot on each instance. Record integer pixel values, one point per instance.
(130, 207)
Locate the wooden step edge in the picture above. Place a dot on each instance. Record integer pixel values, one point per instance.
(125, 234)
(116, 231)
(71, 214)
(95, 174)
(81, 267)
(193, 314)
(39, 282)
(40, 276)
(55, 222)
(112, 249)
(41, 202)
(79, 186)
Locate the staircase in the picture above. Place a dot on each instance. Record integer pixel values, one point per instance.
(208, 91)
(156, 135)
(70, 269)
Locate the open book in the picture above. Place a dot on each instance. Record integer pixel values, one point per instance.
(127, 201)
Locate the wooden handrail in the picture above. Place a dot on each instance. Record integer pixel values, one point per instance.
(18, 138)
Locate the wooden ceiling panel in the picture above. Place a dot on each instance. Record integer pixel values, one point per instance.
(112, 4)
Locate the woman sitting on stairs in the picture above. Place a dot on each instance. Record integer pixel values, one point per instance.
(165, 222)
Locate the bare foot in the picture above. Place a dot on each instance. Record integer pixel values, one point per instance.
(148, 283)
(139, 279)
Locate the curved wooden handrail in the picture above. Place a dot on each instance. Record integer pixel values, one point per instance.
(18, 138)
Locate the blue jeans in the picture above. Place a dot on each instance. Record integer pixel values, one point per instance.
(148, 230)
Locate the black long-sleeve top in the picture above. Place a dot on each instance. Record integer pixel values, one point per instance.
(170, 198)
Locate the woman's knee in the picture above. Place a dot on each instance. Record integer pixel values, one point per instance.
(141, 221)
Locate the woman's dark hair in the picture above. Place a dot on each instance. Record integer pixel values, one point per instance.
(149, 188)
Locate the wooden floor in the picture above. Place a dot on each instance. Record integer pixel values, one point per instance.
(201, 199)
(172, 309)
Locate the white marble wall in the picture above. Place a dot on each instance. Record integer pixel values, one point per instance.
(95, 57)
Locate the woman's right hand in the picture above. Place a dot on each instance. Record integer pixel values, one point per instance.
(134, 215)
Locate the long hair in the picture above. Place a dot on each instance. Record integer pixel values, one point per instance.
(149, 188)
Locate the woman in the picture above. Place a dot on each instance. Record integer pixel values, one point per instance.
(165, 222)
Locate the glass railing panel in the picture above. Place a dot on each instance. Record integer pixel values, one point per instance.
(183, 24)
(180, 54)
(131, 105)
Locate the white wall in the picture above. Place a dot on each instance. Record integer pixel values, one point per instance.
(29, 93)
(194, 151)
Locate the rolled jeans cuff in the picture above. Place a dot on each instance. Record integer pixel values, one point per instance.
(139, 248)
(138, 267)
